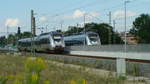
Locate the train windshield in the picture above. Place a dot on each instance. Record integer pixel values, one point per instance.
(93, 37)
(57, 37)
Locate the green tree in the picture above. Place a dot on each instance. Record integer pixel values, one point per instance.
(141, 28)
(2, 41)
(73, 30)
(12, 39)
(26, 34)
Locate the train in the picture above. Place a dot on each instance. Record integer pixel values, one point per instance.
(46, 42)
(83, 38)
(56, 41)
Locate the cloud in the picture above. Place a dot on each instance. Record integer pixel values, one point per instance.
(11, 22)
(78, 14)
(43, 19)
(120, 14)
(92, 15)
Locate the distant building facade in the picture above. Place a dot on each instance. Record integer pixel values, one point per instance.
(131, 39)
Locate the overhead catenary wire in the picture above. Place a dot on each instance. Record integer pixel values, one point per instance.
(84, 6)
(72, 9)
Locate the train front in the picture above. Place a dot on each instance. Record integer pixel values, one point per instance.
(94, 39)
(58, 42)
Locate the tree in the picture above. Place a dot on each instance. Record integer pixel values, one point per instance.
(12, 39)
(2, 41)
(26, 34)
(73, 30)
(141, 28)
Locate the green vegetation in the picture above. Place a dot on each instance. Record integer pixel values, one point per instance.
(31, 70)
(2, 41)
(141, 28)
(12, 38)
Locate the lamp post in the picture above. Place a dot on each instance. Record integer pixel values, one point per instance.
(121, 62)
(125, 33)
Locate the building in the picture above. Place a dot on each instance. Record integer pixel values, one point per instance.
(131, 39)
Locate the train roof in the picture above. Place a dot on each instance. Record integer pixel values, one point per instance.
(44, 34)
(26, 39)
(81, 33)
(51, 33)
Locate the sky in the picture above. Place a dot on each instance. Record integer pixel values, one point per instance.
(54, 13)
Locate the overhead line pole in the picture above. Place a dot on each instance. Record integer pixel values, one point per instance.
(125, 26)
(61, 25)
(110, 17)
(77, 28)
(7, 36)
(109, 30)
(33, 32)
(84, 28)
(114, 25)
(122, 67)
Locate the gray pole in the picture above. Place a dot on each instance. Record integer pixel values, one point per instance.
(7, 33)
(110, 18)
(32, 32)
(109, 30)
(125, 36)
(125, 33)
(32, 21)
(7, 37)
(77, 28)
(114, 25)
(46, 28)
(61, 24)
(84, 29)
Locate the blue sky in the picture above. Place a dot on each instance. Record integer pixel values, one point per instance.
(52, 13)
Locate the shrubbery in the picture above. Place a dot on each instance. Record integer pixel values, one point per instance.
(32, 75)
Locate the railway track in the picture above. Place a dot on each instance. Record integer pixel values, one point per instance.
(95, 57)
(81, 56)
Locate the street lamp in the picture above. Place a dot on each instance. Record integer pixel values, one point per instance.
(125, 33)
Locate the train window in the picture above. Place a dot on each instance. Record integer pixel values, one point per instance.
(74, 42)
(93, 37)
(44, 41)
(37, 42)
(57, 37)
(57, 40)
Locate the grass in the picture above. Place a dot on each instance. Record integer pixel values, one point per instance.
(30, 70)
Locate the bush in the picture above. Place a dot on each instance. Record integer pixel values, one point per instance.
(3, 80)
